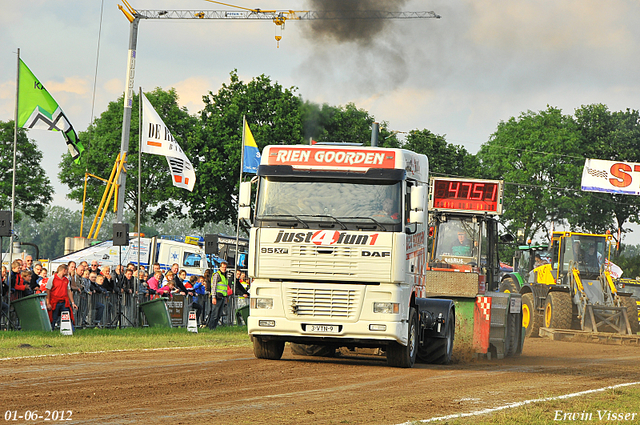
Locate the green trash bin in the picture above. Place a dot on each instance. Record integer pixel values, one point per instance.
(32, 312)
(156, 312)
(244, 313)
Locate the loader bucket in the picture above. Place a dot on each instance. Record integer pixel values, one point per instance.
(606, 319)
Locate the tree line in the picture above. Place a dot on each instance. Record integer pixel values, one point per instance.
(539, 155)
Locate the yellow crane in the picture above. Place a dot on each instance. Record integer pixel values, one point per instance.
(278, 17)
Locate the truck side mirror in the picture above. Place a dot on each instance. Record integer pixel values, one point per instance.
(245, 194)
(418, 197)
(244, 198)
(244, 213)
(416, 216)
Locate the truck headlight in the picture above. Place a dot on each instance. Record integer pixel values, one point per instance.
(262, 303)
(386, 308)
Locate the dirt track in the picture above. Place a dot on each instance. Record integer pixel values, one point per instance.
(230, 386)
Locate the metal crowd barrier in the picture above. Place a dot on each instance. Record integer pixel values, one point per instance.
(111, 310)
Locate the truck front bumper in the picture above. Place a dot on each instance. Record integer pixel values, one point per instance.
(361, 333)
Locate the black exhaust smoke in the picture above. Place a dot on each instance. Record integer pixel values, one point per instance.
(344, 21)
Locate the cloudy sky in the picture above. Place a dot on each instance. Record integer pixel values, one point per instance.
(459, 76)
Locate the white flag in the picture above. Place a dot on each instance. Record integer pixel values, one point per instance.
(157, 140)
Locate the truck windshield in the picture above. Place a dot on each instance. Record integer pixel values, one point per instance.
(370, 202)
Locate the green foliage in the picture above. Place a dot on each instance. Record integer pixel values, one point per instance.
(104, 137)
(33, 188)
(273, 114)
(537, 154)
(444, 158)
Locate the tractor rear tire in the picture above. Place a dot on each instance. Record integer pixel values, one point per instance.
(514, 333)
(558, 312)
(532, 319)
(509, 285)
(399, 355)
(632, 313)
(312, 350)
(439, 350)
(271, 350)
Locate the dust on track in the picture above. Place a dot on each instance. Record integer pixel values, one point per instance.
(229, 386)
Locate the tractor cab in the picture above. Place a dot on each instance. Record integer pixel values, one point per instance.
(529, 257)
(584, 252)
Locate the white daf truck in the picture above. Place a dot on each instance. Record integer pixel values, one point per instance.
(338, 254)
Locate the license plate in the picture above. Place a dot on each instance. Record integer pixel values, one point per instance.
(329, 329)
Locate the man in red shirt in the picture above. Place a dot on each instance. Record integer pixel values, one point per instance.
(59, 295)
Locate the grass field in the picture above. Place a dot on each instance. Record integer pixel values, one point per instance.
(615, 406)
(19, 344)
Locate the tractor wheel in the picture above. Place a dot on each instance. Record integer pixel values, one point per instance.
(509, 285)
(399, 355)
(271, 350)
(632, 313)
(439, 350)
(312, 350)
(531, 318)
(514, 332)
(558, 311)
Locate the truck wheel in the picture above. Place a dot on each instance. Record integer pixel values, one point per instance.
(509, 285)
(558, 311)
(312, 350)
(439, 350)
(632, 313)
(271, 350)
(399, 355)
(531, 318)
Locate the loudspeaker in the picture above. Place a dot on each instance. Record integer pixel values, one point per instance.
(211, 244)
(5, 224)
(120, 234)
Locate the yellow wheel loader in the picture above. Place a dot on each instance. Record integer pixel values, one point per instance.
(576, 290)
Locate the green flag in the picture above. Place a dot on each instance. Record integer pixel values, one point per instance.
(37, 109)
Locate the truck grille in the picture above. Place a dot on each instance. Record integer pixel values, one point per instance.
(320, 303)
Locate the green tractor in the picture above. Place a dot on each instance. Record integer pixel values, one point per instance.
(525, 259)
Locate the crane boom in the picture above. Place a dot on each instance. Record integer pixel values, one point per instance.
(276, 15)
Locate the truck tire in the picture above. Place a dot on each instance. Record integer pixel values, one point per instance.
(632, 313)
(271, 350)
(439, 350)
(509, 285)
(399, 355)
(531, 318)
(558, 311)
(312, 350)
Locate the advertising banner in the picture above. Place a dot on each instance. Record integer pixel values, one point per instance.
(599, 175)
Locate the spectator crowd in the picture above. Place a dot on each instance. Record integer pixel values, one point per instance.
(98, 296)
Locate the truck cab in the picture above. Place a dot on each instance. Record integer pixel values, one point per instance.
(338, 251)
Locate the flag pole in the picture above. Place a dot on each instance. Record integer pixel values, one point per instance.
(237, 256)
(139, 183)
(13, 184)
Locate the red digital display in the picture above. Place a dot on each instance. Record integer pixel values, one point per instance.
(467, 195)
